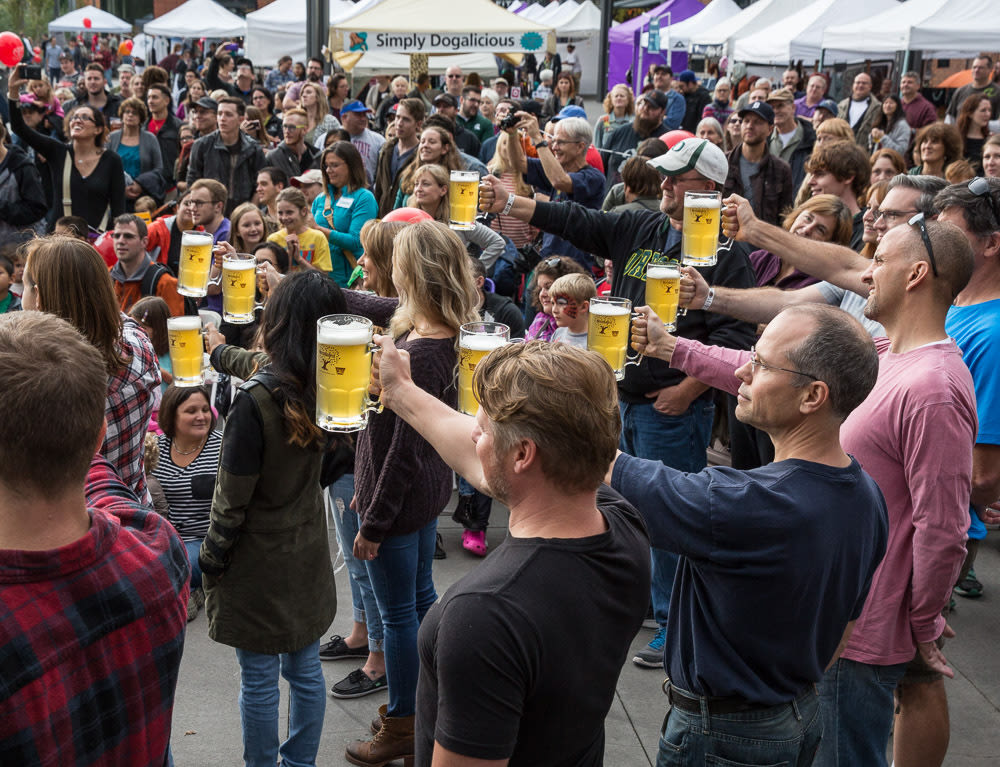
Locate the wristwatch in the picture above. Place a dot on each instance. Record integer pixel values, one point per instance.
(540, 144)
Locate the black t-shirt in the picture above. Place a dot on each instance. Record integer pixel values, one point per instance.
(520, 658)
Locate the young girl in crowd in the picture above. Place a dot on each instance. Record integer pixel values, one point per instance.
(548, 271)
(151, 313)
(249, 228)
(307, 248)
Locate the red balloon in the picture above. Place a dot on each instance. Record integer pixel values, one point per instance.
(408, 215)
(129, 45)
(87, 22)
(36, 49)
(37, 58)
(675, 136)
(11, 49)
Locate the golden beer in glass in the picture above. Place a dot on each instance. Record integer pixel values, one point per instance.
(463, 199)
(195, 264)
(239, 283)
(663, 287)
(607, 331)
(343, 368)
(476, 340)
(186, 350)
(700, 234)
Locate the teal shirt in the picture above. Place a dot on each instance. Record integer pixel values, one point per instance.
(348, 212)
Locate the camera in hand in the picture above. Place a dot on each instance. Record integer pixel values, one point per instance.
(508, 122)
(32, 71)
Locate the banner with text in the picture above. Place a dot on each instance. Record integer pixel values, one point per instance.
(444, 42)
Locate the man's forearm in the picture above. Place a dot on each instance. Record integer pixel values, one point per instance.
(448, 431)
(824, 260)
(515, 154)
(751, 304)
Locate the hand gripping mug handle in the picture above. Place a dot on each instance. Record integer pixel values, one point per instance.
(374, 403)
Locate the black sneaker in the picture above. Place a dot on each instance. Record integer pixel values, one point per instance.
(337, 649)
(439, 552)
(357, 684)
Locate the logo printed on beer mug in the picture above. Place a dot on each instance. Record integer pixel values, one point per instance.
(329, 357)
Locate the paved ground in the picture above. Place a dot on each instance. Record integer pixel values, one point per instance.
(207, 724)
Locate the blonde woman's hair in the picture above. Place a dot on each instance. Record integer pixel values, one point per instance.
(629, 107)
(837, 127)
(434, 279)
(377, 237)
(322, 108)
(498, 166)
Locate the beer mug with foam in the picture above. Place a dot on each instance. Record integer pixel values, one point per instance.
(186, 350)
(343, 367)
(607, 332)
(476, 340)
(663, 286)
(239, 283)
(463, 199)
(700, 233)
(195, 264)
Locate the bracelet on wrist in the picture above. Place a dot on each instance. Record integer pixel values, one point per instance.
(510, 204)
(708, 300)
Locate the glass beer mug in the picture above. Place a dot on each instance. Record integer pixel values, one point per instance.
(186, 350)
(700, 233)
(463, 199)
(663, 287)
(195, 264)
(476, 340)
(343, 368)
(239, 285)
(607, 332)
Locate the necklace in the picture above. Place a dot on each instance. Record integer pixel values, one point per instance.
(195, 449)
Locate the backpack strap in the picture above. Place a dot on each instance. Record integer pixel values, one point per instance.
(151, 278)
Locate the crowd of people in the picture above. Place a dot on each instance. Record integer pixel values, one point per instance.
(838, 352)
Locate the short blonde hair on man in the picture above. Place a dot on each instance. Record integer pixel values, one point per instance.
(561, 397)
(579, 287)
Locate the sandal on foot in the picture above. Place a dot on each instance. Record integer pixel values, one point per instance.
(474, 541)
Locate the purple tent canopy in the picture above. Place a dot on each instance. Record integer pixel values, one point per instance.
(623, 42)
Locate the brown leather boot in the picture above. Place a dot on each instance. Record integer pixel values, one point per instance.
(393, 741)
(378, 720)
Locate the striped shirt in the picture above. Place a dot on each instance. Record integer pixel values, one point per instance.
(189, 488)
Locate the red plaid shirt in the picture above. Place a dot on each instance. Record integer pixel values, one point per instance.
(91, 636)
(130, 404)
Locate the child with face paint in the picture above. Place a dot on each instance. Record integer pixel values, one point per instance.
(571, 296)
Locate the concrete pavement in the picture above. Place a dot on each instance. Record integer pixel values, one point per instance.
(206, 728)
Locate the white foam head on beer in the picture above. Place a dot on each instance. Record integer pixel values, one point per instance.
(184, 323)
(610, 310)
(662, 272)
(196, 238)
(348, 334)
(702, 203)
(239, 264)
(482, 343)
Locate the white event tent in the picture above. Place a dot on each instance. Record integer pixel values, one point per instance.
(100, 21)
(279, 28)
(197, 18)
(752, 18)
(681, 33)
(800, 35)
(584, 21)
(941, 27)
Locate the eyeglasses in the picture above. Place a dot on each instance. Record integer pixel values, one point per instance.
(196, 203)
(82, 119)
(980, 187)
(891, 217)
(755, 363)
(921, 224)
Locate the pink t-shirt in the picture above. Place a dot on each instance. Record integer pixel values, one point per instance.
(914, 435)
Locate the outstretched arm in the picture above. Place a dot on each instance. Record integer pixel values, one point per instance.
(823, 260)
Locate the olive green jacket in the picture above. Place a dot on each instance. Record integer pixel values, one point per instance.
(266, 563)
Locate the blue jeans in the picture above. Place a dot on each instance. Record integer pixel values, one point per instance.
(858, 706)
(786, 734)
(404, 588)
(348, 523)
(678, 441)
(193, 547)
(259, 700)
